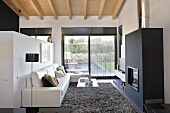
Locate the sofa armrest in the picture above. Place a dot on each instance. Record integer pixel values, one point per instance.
(42, 97)
(75, 76)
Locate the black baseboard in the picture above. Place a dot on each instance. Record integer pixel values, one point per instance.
(32, 110)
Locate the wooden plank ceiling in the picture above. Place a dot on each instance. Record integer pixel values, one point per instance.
(68, 8)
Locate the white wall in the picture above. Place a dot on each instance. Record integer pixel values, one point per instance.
(13, 47)
(56, 25)
(6, 64)
(23, 44)
(129, 21)
(159, 17)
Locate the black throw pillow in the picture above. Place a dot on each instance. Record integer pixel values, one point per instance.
(46, 82)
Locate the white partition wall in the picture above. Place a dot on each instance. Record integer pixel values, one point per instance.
(13, 68)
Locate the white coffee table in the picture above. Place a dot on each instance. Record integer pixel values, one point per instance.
(84, 84)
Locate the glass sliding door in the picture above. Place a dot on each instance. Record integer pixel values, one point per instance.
(90, 54)
(76, 58)
(102, 56)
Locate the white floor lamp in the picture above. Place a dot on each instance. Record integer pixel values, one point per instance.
(31, 57)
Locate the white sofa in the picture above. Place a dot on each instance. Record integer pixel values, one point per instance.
(46, 96)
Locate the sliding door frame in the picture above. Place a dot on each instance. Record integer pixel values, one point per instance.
(89, 31)
(89, 58)
(63, 50)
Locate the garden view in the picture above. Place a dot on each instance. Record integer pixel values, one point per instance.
(101, 54)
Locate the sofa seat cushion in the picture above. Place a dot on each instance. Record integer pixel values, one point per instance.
(63, 81)
(59, 74)
(74, 76)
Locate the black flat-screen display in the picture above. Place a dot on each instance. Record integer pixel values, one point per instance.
(32, 57)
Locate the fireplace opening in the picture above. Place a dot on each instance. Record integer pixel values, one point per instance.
(133, 77)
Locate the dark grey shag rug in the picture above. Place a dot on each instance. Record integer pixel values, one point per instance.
(104, 99)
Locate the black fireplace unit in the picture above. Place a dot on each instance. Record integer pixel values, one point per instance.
(144, 66)
(133, 77)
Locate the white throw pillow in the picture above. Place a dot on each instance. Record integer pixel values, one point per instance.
(59, 74)
(61, 68)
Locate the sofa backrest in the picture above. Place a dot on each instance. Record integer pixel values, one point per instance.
(28, 81)
(38, 74)
(55, 66)
(50, 70)
(36, 77)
